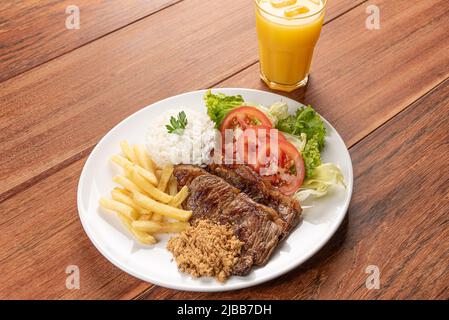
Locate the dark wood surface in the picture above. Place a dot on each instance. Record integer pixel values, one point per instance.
(384, 90)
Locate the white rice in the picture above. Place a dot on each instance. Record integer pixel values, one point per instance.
(193, 146)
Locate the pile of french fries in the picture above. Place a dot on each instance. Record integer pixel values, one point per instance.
(147, 201)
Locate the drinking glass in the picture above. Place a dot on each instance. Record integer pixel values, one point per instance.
(287, 32)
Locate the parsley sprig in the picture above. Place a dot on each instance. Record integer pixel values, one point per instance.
(177, 125)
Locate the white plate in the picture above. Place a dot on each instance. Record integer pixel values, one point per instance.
(154, 264)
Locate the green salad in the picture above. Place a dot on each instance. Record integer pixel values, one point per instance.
(304, 129)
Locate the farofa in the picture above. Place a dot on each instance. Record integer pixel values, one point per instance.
(206, 249)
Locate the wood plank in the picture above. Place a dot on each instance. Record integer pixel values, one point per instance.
(398, 220)
(404, 235)
(33, 32)
(370, 76)
(42, 235)
(336, 8)
(72, 101)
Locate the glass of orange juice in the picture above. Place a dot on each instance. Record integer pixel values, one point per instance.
(287, 31)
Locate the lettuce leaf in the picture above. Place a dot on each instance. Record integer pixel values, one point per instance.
(298, 141)
(322, 178)
(307, 121)
(278, 111)
(304, 122)
(311, 155)
(218, 105)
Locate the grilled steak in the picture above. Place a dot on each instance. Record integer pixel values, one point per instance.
(257, 226)
(185, 173)
(249, 182)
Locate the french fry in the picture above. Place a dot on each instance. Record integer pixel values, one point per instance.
(158, 173)
(120, 160)
(142, 237)
(160, 208)
(165, 176)
(173, 227)
(123, 191)
(154, 227)
(125, 164)
(119, 207)
(179, 197)
(172, 186)
(172, 189)
(144, 173)
(128, 151)
(146, 217)
(125, 221)
(143, 158)
(147, 200)
(128, 200)
(148, 188)
(147, 175)
(128, 169)
(125, 199)
(127, 184)
(146, 226)
(156, 217)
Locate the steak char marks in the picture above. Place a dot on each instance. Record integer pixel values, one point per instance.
(249, 182)
(259, 227)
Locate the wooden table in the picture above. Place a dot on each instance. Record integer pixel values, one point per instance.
(386, 91)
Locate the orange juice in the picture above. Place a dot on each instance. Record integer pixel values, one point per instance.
(287, 31)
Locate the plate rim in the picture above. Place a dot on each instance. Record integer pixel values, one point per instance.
(235, 286)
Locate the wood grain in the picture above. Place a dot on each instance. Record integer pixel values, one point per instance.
(42, 236)
(33, 32)
(71, 102)
(398, 219)
(370, 76)
(51, 116)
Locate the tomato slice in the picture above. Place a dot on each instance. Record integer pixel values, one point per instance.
(262, 129)
(244, 117)
(238, 120)
(284, 168)
(251, 141)
(289, 166)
